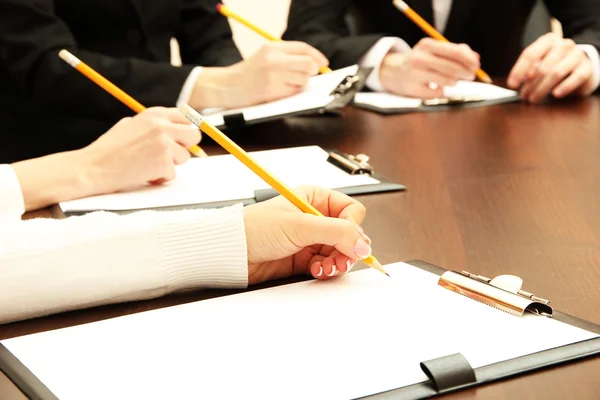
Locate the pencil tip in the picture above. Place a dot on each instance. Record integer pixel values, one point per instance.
(388, 275)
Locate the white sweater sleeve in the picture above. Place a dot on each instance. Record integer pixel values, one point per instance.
(49, 266)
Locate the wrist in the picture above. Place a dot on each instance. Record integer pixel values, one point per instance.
(212, 88)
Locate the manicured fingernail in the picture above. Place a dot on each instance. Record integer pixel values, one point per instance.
(333, 271)
(362, 248)
(362, 234)
(349, 265)
(320, 273)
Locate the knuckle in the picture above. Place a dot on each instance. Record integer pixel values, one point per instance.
(568, 43)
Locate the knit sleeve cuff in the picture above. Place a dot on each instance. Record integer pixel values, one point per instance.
(205, 252)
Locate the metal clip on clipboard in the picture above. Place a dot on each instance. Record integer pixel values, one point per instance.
(344, 93)
(503, 292)
(354, 165)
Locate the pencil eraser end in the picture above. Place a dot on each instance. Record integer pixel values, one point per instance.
(219, 5)
(68, 58)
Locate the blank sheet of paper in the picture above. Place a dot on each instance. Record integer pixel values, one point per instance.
(224, 178)
(461, 89)
(361, 334)
(316, 94)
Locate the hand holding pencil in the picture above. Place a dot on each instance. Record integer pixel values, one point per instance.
(430, 65)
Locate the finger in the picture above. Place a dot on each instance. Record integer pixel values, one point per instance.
(180, 154)
(329, 267)
(448, 69)
(576, 80)
(533, 53)
(316, 270)
(170, 114)
(158, 182)
(295, 79)
(186, 135)
(342, 262)
(301, 48)
(526, 90)
(332, 203)
(300, 64)
(461, 54)
(552, 74)
(336, 232)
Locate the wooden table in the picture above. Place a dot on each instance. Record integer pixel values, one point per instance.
(506, 189)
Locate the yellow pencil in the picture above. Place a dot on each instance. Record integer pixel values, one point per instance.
(239, 153)
(226, 11)
(111, 88)
(431, 31)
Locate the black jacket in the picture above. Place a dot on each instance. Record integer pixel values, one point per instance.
(47, 106)
(492, 28)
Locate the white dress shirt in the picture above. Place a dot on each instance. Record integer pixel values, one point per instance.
(441, 11)
(49, 266)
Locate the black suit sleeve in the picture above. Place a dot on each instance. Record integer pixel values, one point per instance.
(31, 35)
(322, 24)
(205, 36)
(580, 19)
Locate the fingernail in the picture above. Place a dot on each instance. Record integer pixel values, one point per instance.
(362, 234)
(333, 271)
(349, 265)
(320, 273)
(362, 248)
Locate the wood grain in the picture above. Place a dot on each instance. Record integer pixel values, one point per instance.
(504, 189)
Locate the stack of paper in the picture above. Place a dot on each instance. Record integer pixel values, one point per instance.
(463, 89)
(358, 335)
(224, 178)
(315, 95)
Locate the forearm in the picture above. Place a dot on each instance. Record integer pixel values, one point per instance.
(50, 266)
(55, 178)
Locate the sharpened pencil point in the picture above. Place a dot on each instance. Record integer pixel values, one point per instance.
(388, 275)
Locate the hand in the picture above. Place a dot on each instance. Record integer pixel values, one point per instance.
(552, 65)
(277, 70)
(145, 148)
(427, 68)
(283, 241)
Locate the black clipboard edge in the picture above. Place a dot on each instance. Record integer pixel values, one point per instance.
(509, 368)
(472, 104)
(329, 109)
(22, 377)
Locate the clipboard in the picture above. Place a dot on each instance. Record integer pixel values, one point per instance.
(351, 81)
(464, 95)
(351, 165)
(446, 374)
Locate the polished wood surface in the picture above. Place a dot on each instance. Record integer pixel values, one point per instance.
(511, 189)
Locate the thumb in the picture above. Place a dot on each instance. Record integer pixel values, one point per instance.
(339, 233)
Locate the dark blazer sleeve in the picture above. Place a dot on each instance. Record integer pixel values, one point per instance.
(322, 24)
(205, 36)
(580, 19)
(31, 36)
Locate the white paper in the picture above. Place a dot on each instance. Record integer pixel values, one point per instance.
(461, 89)
(224, 178)
(361, 334)
(316, 94)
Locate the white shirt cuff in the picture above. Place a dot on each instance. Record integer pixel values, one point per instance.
(188, 87)
(375, 56)
(593, 55)
(12, 205)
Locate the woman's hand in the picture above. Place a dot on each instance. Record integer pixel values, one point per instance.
(283, 241)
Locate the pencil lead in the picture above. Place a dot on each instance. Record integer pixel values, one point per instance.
(388, 275)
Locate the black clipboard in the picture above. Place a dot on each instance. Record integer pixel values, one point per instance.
(343, 95)
(462, 378)
(347, 162)
(455, 378)
(439, 105)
